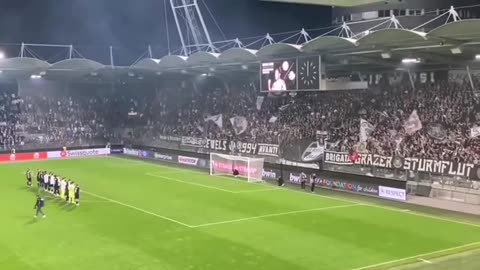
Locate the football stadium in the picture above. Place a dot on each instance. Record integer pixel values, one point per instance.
(354, 145)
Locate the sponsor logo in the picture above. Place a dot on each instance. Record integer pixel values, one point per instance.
(269, 174)
(162, 156)
(116, 150)
(12, 157)
(367, 189)
(85, 153)
(187, 160)
(294, 178)
(392, 193)
(313, 152)
(36, 155)
(79, 153)
(131, 152)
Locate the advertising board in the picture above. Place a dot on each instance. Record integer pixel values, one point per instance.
(78, 153)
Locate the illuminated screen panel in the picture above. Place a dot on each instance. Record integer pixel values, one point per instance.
(279, 75)
(309, 73)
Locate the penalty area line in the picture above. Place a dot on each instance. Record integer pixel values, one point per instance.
(275, 215)
(189, 183)
(138, 209)
(417, 257)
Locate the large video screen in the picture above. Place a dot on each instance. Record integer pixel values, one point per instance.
(296, 74)
(280, 75)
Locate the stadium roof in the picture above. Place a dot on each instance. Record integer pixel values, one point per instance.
(339, 3)
(339, 54)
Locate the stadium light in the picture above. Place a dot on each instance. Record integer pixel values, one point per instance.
(2, 55)
(456, 50)
(411, 60)
(477, 57)
(386, 55)
(244, 67)
(35, 76)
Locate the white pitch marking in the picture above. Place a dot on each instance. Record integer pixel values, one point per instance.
(256, 190)
(332, 198)
(398, 210)
(275, 215)
(425, 261)
(416, 256)
(189, 183)
(138, 209)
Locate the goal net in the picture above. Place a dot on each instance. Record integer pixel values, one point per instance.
(250, 168)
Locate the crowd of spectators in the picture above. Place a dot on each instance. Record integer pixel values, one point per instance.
(448, 109)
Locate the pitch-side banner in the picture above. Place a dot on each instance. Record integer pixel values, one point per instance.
(79, 153)
(231, 146)
(23, 157)
(450, 168)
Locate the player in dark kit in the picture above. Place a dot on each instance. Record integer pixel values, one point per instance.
(39, 205)
(28, 174)
(66, 191)
(313, 178)
(77, 195)
(39, 178)
(56, 186)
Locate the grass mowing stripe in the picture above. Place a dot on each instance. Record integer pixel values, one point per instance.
(208, 186)
(399, 210)
(189, 183)
(257, 190)
(438, 252)
(275, 215)
(138, 209)
(404, 211)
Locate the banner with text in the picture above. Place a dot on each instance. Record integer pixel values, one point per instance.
(450, 168)
(232, 146)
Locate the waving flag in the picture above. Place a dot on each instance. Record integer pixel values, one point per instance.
(413, 124)
(239, 124)
(217, 119)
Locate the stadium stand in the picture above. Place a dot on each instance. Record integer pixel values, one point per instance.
(448, 110)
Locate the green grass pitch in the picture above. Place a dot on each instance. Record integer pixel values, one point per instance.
(137, 215)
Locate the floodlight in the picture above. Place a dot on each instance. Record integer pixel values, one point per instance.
(411, 60)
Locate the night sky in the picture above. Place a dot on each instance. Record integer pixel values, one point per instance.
(130, 25)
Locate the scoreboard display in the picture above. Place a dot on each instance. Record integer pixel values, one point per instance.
(297, 74)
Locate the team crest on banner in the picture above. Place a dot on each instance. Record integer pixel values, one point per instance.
(239, 124)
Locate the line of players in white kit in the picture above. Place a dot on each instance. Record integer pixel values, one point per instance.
(56, 185)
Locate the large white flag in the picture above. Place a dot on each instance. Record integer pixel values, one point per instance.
(239, 124)
(273, 119)
(260, 102)
(475, 132)
(413, 124)
(365, 130)
(217, 119)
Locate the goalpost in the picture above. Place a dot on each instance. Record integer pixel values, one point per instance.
(250, 168)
